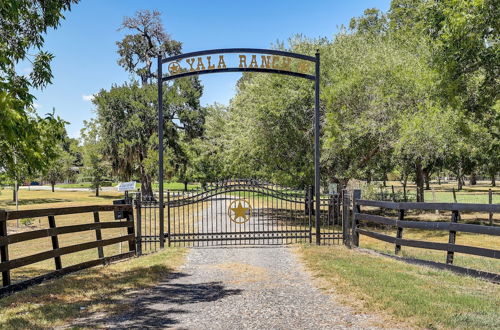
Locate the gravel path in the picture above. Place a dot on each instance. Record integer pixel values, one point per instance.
(236, 288)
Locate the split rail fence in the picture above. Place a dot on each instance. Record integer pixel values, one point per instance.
(7, 264)
(361, 219)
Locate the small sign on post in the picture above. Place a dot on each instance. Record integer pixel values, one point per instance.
(126, 186)
(332, 188)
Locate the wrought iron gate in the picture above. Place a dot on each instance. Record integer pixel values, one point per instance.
(238, 212)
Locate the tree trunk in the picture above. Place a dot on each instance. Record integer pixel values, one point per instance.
(459, 183)
(14, 192)
(97, 191)
(427, 179)
(185, 186)
(53, 184)
(493, 182)
(473, 179)
(146, 185)
(419, 180)
(405, 182)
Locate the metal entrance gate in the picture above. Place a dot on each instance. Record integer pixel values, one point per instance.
(238, 212)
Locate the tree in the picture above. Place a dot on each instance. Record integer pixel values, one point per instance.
(54, 172)
(95, 165)
(127, 120)
(138, 51)
(26, 139)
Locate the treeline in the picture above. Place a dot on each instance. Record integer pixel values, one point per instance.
(412, 93)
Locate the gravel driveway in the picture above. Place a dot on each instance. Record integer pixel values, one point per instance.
(261, 287)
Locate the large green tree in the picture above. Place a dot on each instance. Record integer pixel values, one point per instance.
(28, 142)
(128, 124)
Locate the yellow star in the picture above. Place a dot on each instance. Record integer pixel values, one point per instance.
(240, 211)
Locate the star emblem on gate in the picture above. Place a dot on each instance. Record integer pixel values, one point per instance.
(239, 211)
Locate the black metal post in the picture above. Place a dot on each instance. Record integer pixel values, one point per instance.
(356, 194)
(317, 190)
(160, 149)
(168, 217)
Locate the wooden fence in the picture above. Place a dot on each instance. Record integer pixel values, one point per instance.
(359, 219)
(7, 264)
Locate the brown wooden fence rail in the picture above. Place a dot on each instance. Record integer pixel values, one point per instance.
(7, 264)
(359, 218)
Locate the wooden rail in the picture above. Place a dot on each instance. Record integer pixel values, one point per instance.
(7, 264)
(452, 227)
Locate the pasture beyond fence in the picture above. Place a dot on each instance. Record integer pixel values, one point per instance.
(361, 219)
(53, 233)
(344, 218)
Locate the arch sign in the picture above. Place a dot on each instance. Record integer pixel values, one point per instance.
(240, 60)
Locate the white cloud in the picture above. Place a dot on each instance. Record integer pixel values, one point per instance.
(87, 98)
(37, 106)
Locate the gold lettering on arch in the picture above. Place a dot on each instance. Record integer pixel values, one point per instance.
(243, 61)
(283, 63)
(210, 65)
(222, 64)
(190, 61)
(253, 62)
(200, 64)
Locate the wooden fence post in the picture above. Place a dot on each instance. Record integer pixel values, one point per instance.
(98, 236)
(399, 232)
(4, 249)
(393, 193)
(455, 216)
(55, 241)
(345, 218)
(356, 194)
(138, 224)
(490, 201)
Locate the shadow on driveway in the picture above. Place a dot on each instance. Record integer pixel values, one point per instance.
(158, 306)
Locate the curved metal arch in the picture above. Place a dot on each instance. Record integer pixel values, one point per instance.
(316, 78)
(236, 188)
(239, 50)
(283, 72)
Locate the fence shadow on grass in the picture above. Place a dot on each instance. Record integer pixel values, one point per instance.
(69, 297)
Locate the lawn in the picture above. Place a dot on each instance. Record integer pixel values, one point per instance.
(29, 199)
(98, 289)
(464, 260)
(444, 192)
(419, 296)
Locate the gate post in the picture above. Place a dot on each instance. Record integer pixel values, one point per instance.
(168, 217)
(317, 169)
(160, 149)
(138, 226)
(345, 218)
(356, 194)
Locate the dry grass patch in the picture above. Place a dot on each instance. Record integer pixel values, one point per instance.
(80, 294)
(421, 296)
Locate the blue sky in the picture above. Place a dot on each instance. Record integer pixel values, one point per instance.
(85, 50)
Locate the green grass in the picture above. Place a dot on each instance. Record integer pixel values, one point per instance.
(75, 185)
(465, 260)
(419, 296)
(175, 186)
(98, 289)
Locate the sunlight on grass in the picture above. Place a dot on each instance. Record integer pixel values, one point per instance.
(422, 296)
